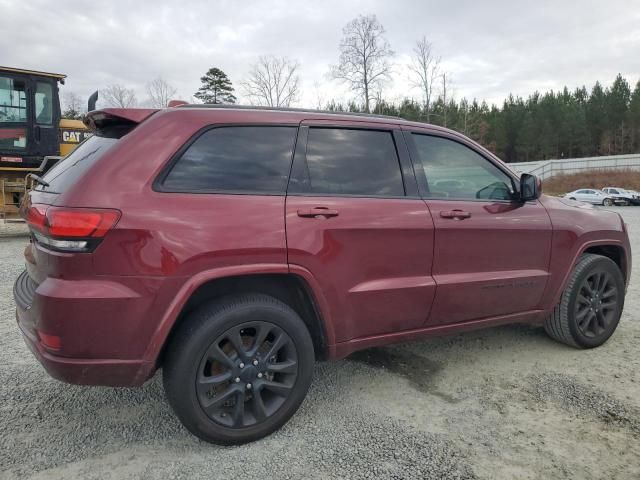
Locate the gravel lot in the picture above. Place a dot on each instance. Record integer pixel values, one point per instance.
(501, 403)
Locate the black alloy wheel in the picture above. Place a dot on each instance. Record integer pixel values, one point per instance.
(591, 304)
(247, 374)
(597, 303)
(237, 368)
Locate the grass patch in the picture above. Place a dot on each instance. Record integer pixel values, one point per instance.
(561, 184)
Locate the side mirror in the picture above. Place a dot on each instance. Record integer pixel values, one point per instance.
(530, 187)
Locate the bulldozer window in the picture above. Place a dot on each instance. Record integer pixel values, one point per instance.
(13, 100)
(44, 94)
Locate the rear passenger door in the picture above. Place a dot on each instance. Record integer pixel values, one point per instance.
(355, 221)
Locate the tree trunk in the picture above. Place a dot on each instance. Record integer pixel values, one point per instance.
(444, 99)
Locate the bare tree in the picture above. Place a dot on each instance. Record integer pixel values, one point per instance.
(445, 85)
(117, 95)
(160, 92)
(464, 108)
(73, 106)
(320, 102)
(424, 67)
(273, 81)
(365, 55)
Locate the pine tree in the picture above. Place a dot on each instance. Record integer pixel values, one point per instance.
(563, 124)
(596, 118)
(216, 88)
(634, 119)
(410, 110)
(618, 97)
(71, 113)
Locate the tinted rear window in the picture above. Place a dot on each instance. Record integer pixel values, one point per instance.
(64, 174)
(235, 159)
(351, 162)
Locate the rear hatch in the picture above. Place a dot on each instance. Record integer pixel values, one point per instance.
(63, 237)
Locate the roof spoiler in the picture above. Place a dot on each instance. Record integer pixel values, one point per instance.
(109, 117)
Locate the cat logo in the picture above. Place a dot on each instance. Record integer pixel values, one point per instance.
(74, 136)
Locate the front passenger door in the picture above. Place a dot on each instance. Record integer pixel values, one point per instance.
(491, 252)
(588, 196)
(582, 196)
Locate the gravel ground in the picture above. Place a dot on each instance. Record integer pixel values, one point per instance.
(501, 403)
(8, 230)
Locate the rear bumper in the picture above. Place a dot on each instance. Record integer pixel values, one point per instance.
(36, 313)
(82, 371)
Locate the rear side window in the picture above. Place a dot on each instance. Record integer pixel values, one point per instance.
(351, 162)
(235, 159)
(73, 166)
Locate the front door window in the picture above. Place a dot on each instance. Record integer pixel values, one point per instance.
(454, 171)
(44, 104)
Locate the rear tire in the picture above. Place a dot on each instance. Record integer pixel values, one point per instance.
(572, 198)
(607, 202)
(591, 305)
(238, 368)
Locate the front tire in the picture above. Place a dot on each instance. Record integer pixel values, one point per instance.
(607, 202)
(237, 369)
(591, 305)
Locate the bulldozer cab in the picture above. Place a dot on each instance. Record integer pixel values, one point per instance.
(29, 117)
(29, 132)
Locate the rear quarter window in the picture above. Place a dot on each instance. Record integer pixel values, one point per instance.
(242, 159)
(63, 175)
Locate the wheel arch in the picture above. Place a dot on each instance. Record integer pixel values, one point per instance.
(292, 289)
(614, 252)
(612, 249)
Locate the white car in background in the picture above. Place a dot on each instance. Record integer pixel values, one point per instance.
(636, 197)
(627, 196)
(591, 195)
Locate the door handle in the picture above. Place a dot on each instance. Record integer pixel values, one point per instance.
(455, 214)
(317, 212)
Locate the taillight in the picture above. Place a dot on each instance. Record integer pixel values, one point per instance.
(50, 342)
(36, 217)
(70, 229)
(81, 223)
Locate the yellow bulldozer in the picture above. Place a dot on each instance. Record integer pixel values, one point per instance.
(33, 136)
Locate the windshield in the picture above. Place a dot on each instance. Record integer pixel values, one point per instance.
(13, 110)
(65, 173)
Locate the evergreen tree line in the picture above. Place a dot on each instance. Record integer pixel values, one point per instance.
(563, 124)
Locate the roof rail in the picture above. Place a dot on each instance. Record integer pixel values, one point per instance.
(283, 109)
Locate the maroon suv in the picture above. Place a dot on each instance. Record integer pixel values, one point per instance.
(233, 247)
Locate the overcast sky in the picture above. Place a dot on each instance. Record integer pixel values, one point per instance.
(490, 48)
